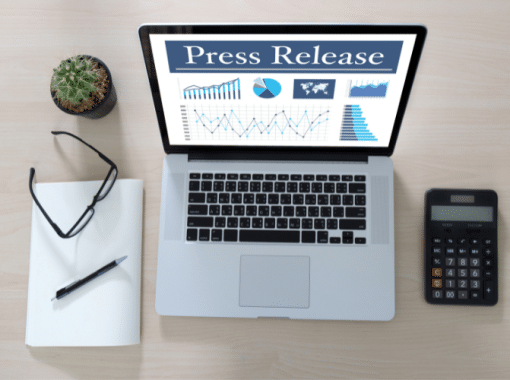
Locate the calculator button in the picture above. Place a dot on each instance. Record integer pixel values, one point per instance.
(437, 250)
(488, 252)
(450, 251)
(487, 242)
(463, 261)
(488, 263)
(437, 272)
(449, 240)
(461, 241)
(463, 272)
(474, 241)
(436, 240)
(474, 262)
(474, 273)
(475, 295)
(475, 284)
(450, 294)
(463, 284)
(436, 261)
(450, 284)
(450, 273)
(462, 251)
(437, 294)
(474, 251)
(450, 262)
(488, 291)
(437, 283)
(488, 275)
(463, 295)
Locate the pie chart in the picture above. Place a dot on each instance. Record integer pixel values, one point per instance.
(266, 88)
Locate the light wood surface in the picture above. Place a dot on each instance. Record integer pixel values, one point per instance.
(455, 133)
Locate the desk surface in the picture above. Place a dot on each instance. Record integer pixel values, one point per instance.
(455, 134)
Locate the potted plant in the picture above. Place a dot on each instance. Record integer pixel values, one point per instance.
(82, 85)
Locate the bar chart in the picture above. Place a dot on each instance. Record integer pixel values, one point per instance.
(354, 125)
(230, 90)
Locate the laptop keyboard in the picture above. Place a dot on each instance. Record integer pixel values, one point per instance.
(271, 208)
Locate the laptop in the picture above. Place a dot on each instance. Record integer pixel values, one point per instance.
(277, 187)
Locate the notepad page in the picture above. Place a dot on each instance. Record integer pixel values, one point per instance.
(106, 311)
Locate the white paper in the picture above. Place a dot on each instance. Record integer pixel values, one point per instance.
(106, 311)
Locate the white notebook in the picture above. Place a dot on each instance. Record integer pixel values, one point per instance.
(105, 311)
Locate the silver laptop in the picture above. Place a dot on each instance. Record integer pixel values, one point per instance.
(277, 190)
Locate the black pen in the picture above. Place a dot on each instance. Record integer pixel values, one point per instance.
(75, 285)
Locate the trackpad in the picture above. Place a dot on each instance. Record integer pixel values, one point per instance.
(275, 281)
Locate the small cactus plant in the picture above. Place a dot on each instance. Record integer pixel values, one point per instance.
(73, 80)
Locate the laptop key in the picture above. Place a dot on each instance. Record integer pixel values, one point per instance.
(256, 223)
(357, 188)
(347, 178)
(338, 212)
(251, 210)
(246, 176)
(203, 235)
(194, 175)
(216, 235)
(232, 222)
(309, 177)
(196, 198)
(308, 236)
(230, 235)
(271, 236)
(281, 223)
(197, 209)
(219, 221)
(206, 185)
(191, 234)
(355, 212)
(321, 177)
(207, 176)
(286, 199)
(244, 222)
(237, 198)
(214, 210)
(194, 186)
(294, 223)
(352, 224)
(232, 176)
(359, 178)
(322, 236)
(295, 177)
(301, 211)
(200, 221)
(273, 199)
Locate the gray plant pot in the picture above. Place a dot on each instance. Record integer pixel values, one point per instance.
(101, 109)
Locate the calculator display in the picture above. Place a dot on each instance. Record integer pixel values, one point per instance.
(462, 213)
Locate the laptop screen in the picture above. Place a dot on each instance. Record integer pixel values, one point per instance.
(292, 90)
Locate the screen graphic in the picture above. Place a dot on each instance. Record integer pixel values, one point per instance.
(367, 89)
(320, 90)
(266, 88)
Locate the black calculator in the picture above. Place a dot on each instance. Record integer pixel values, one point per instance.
(461, 247)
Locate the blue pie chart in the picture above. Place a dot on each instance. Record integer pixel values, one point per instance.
(267, 88)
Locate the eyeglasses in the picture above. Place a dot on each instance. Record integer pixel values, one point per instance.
(89, 212)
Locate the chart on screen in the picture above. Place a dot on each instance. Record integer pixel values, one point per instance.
(255, 122)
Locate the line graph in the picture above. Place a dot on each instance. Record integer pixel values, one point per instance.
(230, 90)
(258, 122)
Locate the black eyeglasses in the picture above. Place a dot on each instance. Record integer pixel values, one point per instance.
(89, 212)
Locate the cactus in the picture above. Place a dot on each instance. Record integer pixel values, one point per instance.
(73, 79)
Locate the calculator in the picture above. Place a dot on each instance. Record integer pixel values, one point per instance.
(461, 247)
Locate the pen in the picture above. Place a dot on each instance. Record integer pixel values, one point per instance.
(78, 283)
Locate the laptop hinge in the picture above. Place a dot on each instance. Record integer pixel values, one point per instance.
(276, 156)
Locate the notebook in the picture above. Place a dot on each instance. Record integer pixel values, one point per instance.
(106, 311)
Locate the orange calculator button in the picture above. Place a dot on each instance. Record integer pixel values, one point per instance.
(437, 272)
(437, 283)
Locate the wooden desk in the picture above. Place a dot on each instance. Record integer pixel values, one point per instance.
(455, 134)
